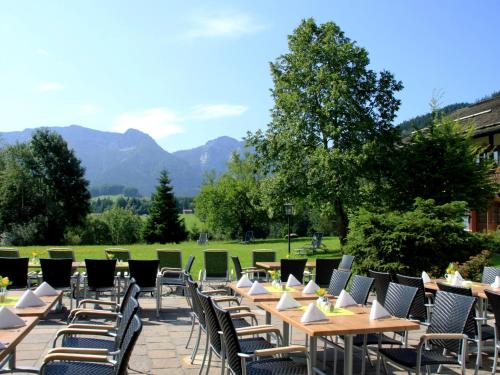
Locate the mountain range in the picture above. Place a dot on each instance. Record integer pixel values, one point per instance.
(134, 158)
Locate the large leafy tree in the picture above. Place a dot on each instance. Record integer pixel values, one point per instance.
(329, 111)
(164, 224)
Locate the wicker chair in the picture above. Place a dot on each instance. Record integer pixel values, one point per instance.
(338, 281)
(494, 302)
(262, 255)
(176, 279)
(293, 267)
(58, 273)
(324, 270)
(346, 262)
(9, 252)
(360, 288)
(382, 281)
(489, 274)
(61, 253)
(16, 269)
(145, 273)
(420, 309)
(215, 266)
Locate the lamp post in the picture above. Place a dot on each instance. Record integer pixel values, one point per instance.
(289, 213)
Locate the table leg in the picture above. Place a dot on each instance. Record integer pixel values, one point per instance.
(13, 368)
(348, 354)
(268, 321)
(313, 345)
(286, 334)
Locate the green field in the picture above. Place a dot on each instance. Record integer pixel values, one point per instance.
(191, 220)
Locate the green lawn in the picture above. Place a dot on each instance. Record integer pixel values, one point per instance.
(244, 252)
(190, 220)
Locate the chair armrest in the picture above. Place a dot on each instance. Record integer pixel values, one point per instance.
(242, 315)
(91, 326)
(256, 330)
(237, 308)
(79, 351)
(99, 313)
(214, 291)
(76, 357)
(442, 336)
(82, 331)
(171, 269)
(226, 299)
(281, 350)
(97, 302)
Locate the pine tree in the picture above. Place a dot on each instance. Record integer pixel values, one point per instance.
(164, 224)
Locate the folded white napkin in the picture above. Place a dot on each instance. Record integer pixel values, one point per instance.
(44, 289)
(257, 289)
(378, 311)
(425, 277)
(292, 281)
(344, 300)
(458, 276)
(244, 282)
(312, 314)
(287, 302)
(496, 283)
(9, 320)
(310, 288)
(456, 282)
(29, 299)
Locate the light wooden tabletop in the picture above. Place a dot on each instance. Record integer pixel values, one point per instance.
(40, 311)
(272, 296)
(477, 288)
(357, 323)
(273, 266)
(11, 337)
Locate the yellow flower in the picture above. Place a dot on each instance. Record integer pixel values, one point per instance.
(321, 292)
(5, 281)
(34, 254)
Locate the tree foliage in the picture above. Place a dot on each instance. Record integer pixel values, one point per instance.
(329, 108)
(163, 224)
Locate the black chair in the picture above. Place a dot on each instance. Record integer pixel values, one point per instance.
(58, 273)
(145, 273)
(100, 277)
(346, 262)
(446, 334)
(176, 280)
(324, 270)
(115, 363)
(9, 252)
(338, 281)
(382, 281)
(494, 302)
(489, 274)
(360, 288)
(61, 253)
(262, 255)
(250, 271)
(16, 269)
(420, 309)
(237, 359)
(293, 267)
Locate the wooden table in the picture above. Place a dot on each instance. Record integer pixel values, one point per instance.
(11, 337)
(272, 296)
(347, 326)
(477, 288)
(120, 266)
(274, 266)
(38, 312)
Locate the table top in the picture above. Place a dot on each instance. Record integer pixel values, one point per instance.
(272, 296)
(11, 337)
(120, 266)
(358, 323)
(477, 288)
(277, 265)
(40, 311)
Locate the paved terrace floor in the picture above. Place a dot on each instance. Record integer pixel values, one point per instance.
(161, 346)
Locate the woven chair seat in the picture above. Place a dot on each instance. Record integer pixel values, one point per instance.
(487, 333)
(250, 345)
(408, 357)
(240, 323)
(372, 339)
(78, 368)
(172, 281)
(87, 342)
(282, 366)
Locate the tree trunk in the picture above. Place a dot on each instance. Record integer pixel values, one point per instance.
(342, 222)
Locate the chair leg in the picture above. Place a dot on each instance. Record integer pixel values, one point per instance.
(364, 351)
(495, 360)
(209, 361)
(204, 356)
(192, 330)
(196, 346)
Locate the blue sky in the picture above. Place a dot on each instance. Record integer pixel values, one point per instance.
(189, 71)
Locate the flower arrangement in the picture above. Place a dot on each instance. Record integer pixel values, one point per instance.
(34, 257)
(4, 283)
(321, 292)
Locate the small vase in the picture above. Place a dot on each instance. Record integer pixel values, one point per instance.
(3, 294)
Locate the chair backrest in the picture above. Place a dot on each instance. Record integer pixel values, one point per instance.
(489, 274)
(360, 288)
(231, 342)
(145, 272)
(203, 238)
(237, 266)
(192, 288)
(338, 281)
(16, 269)
(132, 291)
(248, 236)
(263, 255)
(213, 326)
(399, 299)
(171, 258)
(189, 264)
(450, 314)
(120, 254)
(100, 272)
(418, 309)
(9, 252)
(455, 289)
(382, 280)
(130, 338)
(292, 266)
(346, 262)
(317, 238)
(130, 308)
(57, 272)
(216, 265)
(324, 270)
(61, 253)
(494, 303)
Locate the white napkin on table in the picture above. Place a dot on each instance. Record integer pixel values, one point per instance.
(458, 276)
(287, 302)
(29, 299)
(456, 282)
(310, 288)
(257, 289)
(244, 282)
(9, 320)
(345, 300)
(496, 283)
(44, 289)
(292, 281)
(378, 311)
(312, 314)
(425, 277)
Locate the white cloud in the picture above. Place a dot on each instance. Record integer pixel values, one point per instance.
(157, 122)
(50, 86)
(42, 51)
(209, 112)
(89, 109)
(223, 25)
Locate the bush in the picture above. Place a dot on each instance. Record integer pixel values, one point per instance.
(427, 238)
(24, 234)
(473, 268)
(125, 227)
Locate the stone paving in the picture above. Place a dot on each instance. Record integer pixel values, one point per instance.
(161, 346)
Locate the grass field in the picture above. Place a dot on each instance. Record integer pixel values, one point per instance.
(191, 220)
